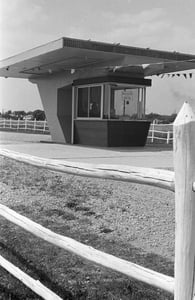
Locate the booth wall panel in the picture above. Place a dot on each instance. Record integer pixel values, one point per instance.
(108, 133)
(91, 132)
(127, 133)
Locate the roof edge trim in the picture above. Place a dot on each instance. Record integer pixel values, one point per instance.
(43, 49)
(124, 49)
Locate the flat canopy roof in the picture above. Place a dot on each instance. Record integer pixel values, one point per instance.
(74, 54)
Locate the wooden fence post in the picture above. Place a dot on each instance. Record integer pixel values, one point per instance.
(168, 136)
(18, 124)
(44, 125)
(25, 124)
(184, 163)
(153, 124)
(34, 128)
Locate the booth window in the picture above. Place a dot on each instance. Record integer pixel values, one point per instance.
(89, 102)
(124, 103)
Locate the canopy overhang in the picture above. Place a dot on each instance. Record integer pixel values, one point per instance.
(67, 54)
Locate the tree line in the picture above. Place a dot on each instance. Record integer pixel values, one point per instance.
(37, 114)
(163, 119)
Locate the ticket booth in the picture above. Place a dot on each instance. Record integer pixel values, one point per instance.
(111, 112)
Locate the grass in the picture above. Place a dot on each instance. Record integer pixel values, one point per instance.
(134, 222)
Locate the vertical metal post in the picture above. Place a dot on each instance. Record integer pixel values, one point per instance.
(73, 113)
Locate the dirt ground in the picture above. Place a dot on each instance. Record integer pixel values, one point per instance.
(130, 221)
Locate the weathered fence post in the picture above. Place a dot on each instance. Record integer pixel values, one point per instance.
(168, 136)
(25, 124)
(184, 163)
(44, 125)
(34, 128)
(153, 124)
(18, 124)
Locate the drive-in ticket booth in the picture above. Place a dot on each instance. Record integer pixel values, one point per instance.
(94, 93)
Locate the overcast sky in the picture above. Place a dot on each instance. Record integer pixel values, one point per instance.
(157, 24)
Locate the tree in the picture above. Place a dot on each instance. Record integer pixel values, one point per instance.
(7, 114)
(39, 115)
(19, 114)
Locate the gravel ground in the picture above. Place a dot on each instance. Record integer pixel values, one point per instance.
(131, 221)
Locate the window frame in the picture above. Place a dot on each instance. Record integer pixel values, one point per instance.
(101, 101)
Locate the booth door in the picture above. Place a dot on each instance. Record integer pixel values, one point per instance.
(64, 111)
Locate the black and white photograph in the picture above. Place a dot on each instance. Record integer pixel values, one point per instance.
(97, 143)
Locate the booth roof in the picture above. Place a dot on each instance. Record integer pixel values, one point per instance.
(68, 54)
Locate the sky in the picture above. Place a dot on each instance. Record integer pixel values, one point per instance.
(157, 24)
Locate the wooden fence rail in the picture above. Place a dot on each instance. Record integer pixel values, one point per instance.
(182, 181)
(155, 177)
(24, 125)
(89, 253)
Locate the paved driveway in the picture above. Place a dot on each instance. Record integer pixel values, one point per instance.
(41, 145)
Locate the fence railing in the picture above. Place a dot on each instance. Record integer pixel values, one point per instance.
(161, 133)
(25, 125)
(182, 181)
(157, 132)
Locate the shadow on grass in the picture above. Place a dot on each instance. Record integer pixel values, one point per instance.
(8, 293)
(92, 282)
(40, 275)
(128, 252)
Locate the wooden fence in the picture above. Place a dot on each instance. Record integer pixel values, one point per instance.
(157, 133)
(24, 125)
(160, 133)
(182, 181)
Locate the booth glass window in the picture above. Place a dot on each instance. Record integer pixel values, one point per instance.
(83, 102)
(124, 103)
(89, 102)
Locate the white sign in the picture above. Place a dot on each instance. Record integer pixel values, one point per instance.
(127, 96)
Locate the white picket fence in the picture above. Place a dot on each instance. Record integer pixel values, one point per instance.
(161, 133)
(25, 125)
